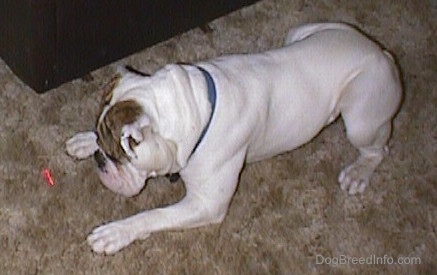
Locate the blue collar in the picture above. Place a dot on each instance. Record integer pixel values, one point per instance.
(212, 97)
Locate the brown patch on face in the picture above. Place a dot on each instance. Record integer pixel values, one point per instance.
(109, 129)
(109, 88)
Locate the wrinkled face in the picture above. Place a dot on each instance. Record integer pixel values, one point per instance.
(130, 148)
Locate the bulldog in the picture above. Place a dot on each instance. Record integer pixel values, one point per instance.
(205, 121)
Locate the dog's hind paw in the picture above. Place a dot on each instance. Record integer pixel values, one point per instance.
(82, 145)
(352, 180)
(356, 177)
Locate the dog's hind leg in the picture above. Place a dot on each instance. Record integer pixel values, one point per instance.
(368, 107)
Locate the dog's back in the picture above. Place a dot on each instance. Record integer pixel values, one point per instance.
(302, 32)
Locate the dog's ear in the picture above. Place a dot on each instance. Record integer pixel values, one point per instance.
(136, 71)
(120, 129)
(132, 134)
(109, 88)
(121, 70)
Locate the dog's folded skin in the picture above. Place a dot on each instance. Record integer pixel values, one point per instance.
(205, 121)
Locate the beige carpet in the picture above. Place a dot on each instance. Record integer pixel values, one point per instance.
(288, 212)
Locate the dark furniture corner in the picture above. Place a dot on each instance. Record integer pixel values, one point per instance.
(49, 42)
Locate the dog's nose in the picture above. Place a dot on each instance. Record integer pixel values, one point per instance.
(100, 159)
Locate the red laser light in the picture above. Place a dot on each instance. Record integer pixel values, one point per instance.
(49, 177)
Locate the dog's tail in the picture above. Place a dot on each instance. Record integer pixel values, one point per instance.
(302, 32)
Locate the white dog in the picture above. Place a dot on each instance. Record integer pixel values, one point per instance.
(204, 121)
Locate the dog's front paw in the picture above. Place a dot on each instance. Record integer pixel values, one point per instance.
(112, 237)
(82, 145)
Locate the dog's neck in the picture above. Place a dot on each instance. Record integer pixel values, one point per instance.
(212, 97)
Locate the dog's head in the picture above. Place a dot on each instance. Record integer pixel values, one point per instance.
(131, 148)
